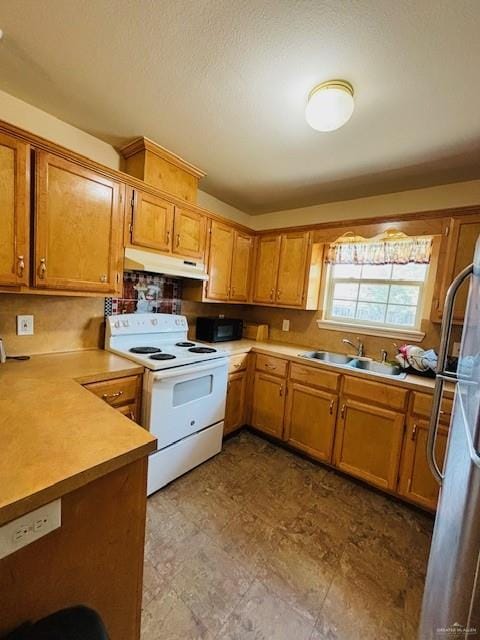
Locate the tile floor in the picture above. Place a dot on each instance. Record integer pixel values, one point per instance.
(259, 543)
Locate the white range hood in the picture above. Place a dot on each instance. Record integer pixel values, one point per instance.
(138, 260)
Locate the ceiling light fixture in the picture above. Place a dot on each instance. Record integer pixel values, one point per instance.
(330, 105)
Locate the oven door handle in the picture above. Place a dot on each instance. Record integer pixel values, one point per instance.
(186, 370)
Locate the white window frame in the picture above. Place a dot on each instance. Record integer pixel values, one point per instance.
(383, 327)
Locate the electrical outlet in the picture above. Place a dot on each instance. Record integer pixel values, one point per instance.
(30, 527)
(24, 325)
(456, 349)
(286, 325)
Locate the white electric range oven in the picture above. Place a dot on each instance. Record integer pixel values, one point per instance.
(184, 390)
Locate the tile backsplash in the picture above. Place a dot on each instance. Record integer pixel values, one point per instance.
(146, 292)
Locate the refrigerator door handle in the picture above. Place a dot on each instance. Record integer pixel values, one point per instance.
(442, 374)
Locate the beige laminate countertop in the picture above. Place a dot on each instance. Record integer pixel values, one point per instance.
(290, 351)
(57, 436)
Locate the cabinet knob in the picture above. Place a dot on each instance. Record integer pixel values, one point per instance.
(342, 411)
(111, 396)
(332, 404)
(178, 239)
(414, 432)
(279, 293)
(103, 277)
(21, 266)
(42, 268)
(272, 293)
(281, 390)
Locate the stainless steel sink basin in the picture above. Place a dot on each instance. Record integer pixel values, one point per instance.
(329, 356)
(382, 368)
(353, 362)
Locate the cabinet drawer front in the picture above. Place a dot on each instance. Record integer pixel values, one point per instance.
(238, 362)
(422, 406)
(270, 364)
(116, 392)
(314, 377)
(129, 410)
(380, 393)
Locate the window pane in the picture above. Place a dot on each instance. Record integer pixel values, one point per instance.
(412, 271)
(347, 271)
(404, 294)
(401, 316)
(343, 309)
(376, 271)
(374, 292)
(345, 290)
(371, 312)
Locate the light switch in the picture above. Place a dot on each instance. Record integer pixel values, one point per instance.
(24, 325)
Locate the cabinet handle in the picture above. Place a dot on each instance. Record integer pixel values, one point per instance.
(43, 268)
(272, 293)
(103, 277)
(235, 366)
(342, 411)
(21, 266)
(414, 432)
(270, 366)
(168, 238)
(332, 404)
(178, 239)
(111, 396)
(229, 384)
(132, 416)
(281, 390)
(279, 293)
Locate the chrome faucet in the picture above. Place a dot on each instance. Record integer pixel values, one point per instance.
(358, 347)
(384, 354)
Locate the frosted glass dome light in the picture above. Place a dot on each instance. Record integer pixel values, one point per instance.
(330, 105)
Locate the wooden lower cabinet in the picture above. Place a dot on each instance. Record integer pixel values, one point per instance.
(235, 406)
(123, 394)
(310, 420)
(416, 480)
(368, 442)
(268, 403)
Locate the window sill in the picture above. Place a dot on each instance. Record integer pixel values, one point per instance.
(398, 334)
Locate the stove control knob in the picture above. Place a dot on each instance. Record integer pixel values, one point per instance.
(177, 321)
(117, 324)
(125, 323)
(154, 321)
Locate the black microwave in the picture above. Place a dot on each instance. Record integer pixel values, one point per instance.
(212, 329)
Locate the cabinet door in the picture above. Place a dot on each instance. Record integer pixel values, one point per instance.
(220, 261)
(292, 269)
(152, 221)
(368, 442)
(14, 210)
(241, 267)
(78, 220)
(268, 404)
(266, 269)
(190, 231)
(310, 420)
(463, 235)
(235, 407)
(416, 480)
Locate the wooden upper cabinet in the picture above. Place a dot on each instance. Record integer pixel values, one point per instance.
(220, 261)
(266, 269)
(190, 231)
(241, 267)
(152, 221)
(14, 211)
(460, 247)
(416, 479)
(368, 442)
(292, 266)
(78, 218)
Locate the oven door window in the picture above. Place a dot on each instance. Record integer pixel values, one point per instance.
(191, 390)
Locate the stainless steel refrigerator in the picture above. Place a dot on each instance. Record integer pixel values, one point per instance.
(451, 602)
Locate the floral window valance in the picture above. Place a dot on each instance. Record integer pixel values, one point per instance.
(392, 247)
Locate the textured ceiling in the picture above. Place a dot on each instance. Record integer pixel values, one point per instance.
(223, 83)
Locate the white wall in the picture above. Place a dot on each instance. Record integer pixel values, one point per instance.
(222, 208)
(459, 194)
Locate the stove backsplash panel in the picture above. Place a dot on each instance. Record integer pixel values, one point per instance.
(146, 292)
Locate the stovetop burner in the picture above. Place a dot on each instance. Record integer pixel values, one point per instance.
(202, 350)
(162, 356)
(145, 350)
(185, 344)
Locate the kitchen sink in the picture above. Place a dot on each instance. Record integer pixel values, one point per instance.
(383, 368)
(329, 356)
(360, 364)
